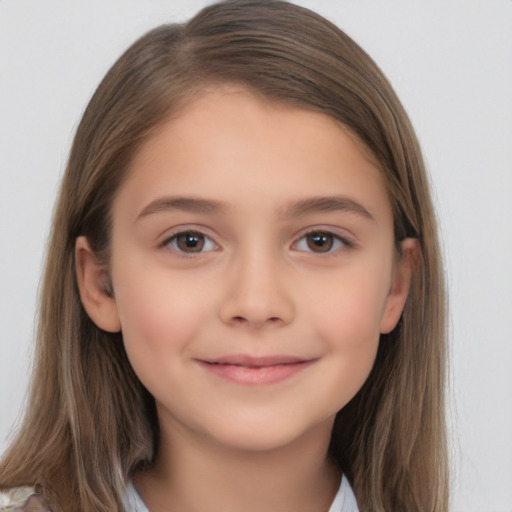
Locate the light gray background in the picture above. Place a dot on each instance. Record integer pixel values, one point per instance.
(451, 64)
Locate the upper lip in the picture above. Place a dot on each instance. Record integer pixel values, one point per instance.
(256, 362)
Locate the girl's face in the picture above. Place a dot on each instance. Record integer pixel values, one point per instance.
(253, 269)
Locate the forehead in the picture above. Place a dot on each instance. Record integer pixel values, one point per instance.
(229, 144)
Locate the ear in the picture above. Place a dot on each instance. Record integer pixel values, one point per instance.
(94, 287)
(403, 270)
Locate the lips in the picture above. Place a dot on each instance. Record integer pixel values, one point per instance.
(248, 370)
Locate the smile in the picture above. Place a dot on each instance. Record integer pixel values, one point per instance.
(255, 371)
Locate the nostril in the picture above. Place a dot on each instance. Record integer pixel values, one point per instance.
(241, 320)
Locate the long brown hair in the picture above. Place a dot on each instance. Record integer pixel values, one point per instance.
(90, 424)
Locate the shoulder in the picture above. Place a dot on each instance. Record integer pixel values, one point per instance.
(22, 499)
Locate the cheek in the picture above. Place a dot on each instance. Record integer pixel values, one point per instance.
(347, 320)
(350, 312)
(159, 315)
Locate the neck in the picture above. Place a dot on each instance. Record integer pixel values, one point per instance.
(194, 473)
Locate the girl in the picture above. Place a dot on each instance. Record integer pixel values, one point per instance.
(243, 303)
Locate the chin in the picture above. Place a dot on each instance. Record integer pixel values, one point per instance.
(265, 436)
(256, 441)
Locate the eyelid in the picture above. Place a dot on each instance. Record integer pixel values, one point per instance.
(348, 241)
(346, 238)
(187, 228)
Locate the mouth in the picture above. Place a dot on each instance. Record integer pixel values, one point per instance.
(253, 371)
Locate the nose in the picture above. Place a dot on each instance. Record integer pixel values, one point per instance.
(257, 296)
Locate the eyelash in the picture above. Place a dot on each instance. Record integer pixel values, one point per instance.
(171, 242)
(338, 242)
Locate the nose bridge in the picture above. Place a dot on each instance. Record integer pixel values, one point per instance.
(257, 294)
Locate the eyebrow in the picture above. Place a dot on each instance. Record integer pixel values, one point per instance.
(186, 204)
(325, 204)
(294, 209)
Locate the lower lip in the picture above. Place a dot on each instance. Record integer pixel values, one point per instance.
(255, 376)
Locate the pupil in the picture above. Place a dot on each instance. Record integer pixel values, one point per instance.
(190, 242)
(320, 242)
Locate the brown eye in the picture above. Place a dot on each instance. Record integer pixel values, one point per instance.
(320, 242)
(190, 242)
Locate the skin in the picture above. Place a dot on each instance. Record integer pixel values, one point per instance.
(262, 285)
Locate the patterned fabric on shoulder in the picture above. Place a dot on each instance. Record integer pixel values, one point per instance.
(22, 499)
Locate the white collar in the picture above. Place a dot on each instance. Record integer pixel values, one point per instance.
(344, 501)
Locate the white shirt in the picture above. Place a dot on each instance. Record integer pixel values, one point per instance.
(344, 501)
